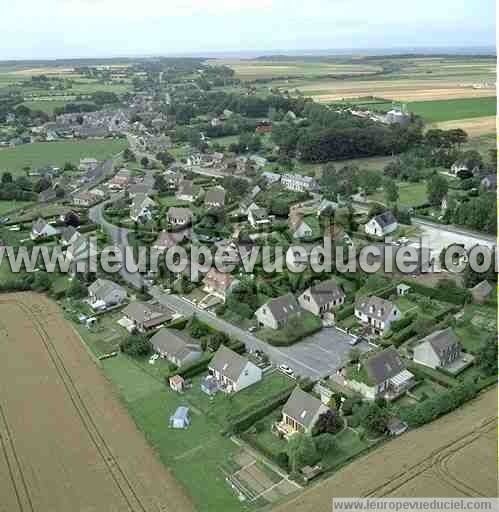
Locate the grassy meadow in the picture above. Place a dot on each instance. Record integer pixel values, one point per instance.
(57, 153)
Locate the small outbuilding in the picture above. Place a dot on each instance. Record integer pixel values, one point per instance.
(181, 418)
(481, 292)
(177, 383)
(403, 289)
(395, 427)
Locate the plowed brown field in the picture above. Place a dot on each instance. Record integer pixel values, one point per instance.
(66, 443)
(455, 456)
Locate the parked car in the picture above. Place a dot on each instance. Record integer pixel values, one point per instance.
(286, 369)
(355, 340)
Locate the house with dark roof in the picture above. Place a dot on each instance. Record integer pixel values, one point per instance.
(322, 298)
(42, 229)
(188, 191)
(381, 375)
(300, 413)
(232, 371)
(377, 314)
(176, 347)
(438, 350)
(104, 294)
(215, 197)
(258, 217)
(143, 316)
(179, 216)
(381, 225)
(141, 208)
(69, 235)
(276, 313)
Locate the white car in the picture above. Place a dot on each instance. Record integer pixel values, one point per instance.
(286, 369)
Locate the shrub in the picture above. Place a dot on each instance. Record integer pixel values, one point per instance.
(344, 312)
(136, 345)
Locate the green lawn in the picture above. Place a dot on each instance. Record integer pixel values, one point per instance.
(448, 110)
(195, 455)
(410, 194)
(8, 206)
(221, 407)
(41, 154)
(475, 326)
(47, 106)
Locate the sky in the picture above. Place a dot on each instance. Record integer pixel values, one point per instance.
(46, 29)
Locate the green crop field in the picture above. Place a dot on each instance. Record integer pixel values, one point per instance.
(47, 106)
(40, 154)
(448, 110)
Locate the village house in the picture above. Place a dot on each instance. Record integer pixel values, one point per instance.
(299, 183)
(258, 217)
(300, 413)
(188, 191)
(104, 294)
(218, 283)
(138, 188)
(141, 208)
(88, 164)
(143, 316)
(271, 177)
(179, 216)
(174, 346)
(276, 313)
(69, 235)
(215, 198)
(322, 298)
(381, 225)
(460, 166)
(81, 253)
(299, 227)
(42, 229)
(376, 313)
(85, 199)
(232, 371)
(382, 375)
(166, 240)
(440, 349)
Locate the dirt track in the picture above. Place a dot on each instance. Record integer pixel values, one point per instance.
(66, 443)
(455, 456)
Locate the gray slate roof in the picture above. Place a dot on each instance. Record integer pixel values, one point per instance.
(283, 307)
(228, 363)
(148, 314)
(215, 196)
(102, 288)
(302, 407)
(375, 307)
(442, 341)
(174, 343)
(482, 289)
(67, 233)
(326, 291)
(178, 212)
(385, 219)
(384, 366)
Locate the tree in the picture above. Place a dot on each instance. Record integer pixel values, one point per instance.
(76, 290)
(7, 178)
(302, 451)
(72, 219)
(42, 281)
(487, 356)
(144, 161)
(165, 158)
(128, 155)
(136, 345)
(375, 418)
(216, 340)
(324, 443)
(437, 189)
(328, 422)
(160, 183)
(391, 191)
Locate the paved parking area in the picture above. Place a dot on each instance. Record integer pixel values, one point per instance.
(316, 356)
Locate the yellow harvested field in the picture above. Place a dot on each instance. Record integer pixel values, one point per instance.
(455, 456)
(397, 92)
(43, 71)
(66, 441)
(473, 127)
